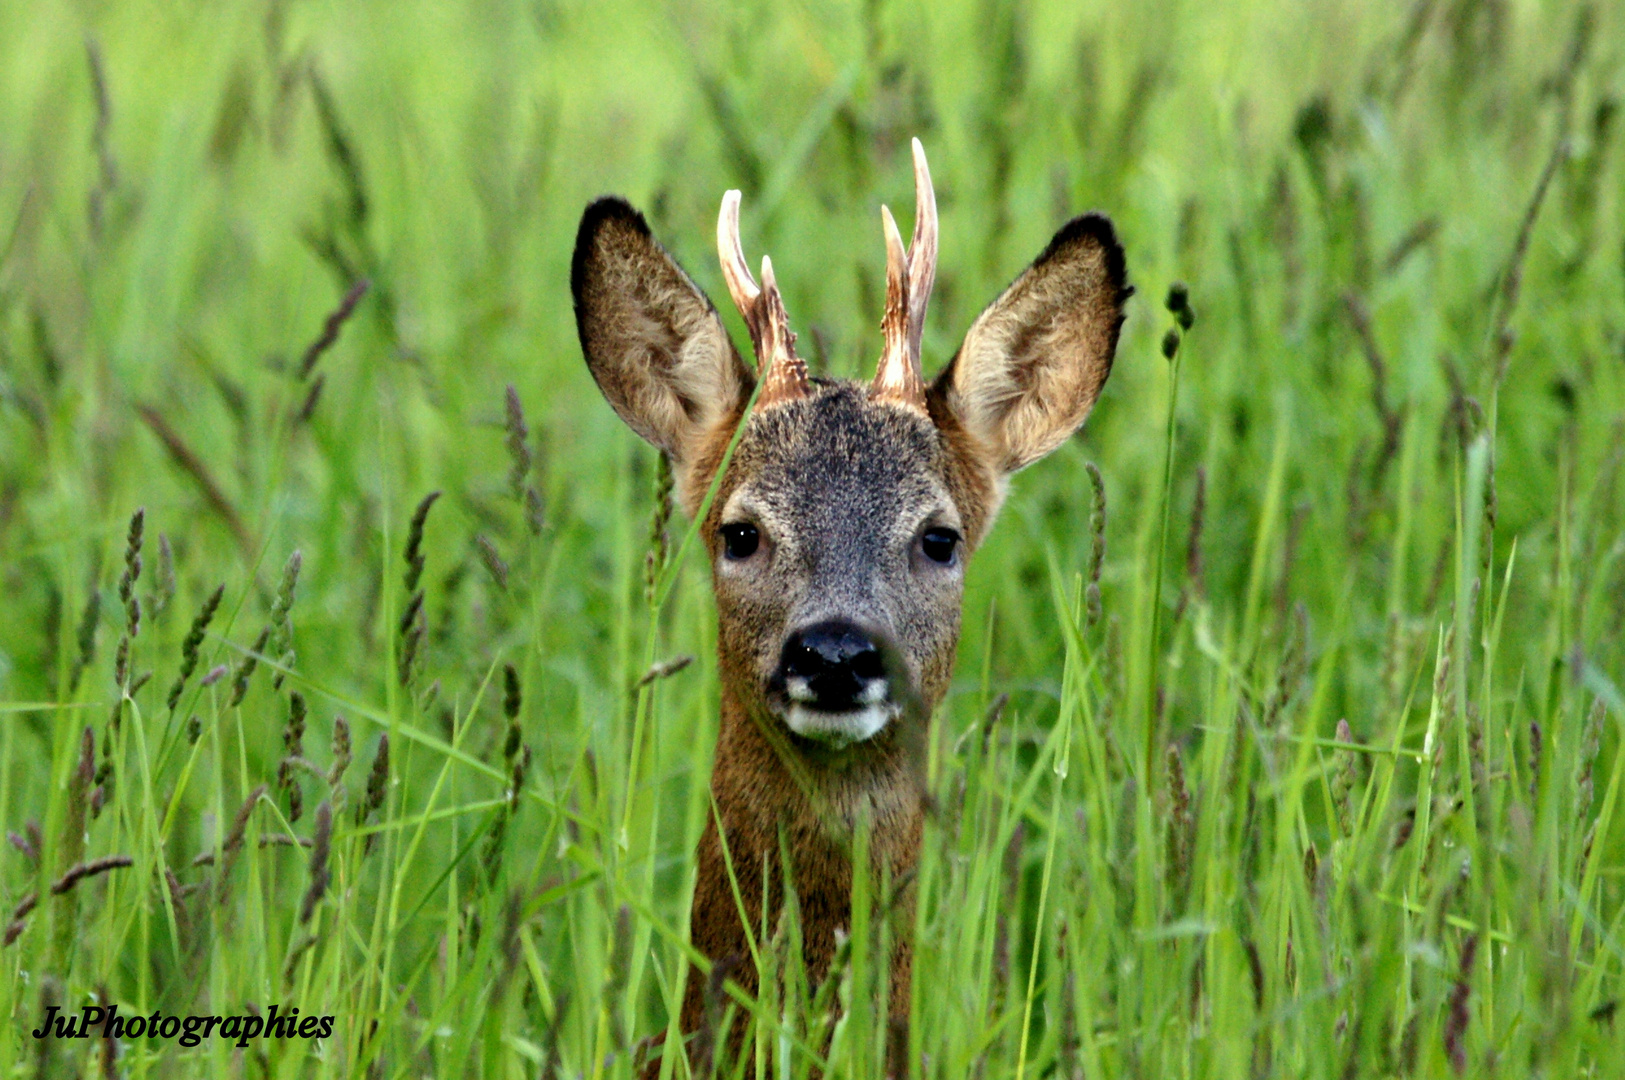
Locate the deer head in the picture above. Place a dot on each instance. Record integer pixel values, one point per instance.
(847, 512)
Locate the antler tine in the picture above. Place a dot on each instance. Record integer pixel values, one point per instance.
(735, 271)
(898, 376)
(922, 252)
(782, 372)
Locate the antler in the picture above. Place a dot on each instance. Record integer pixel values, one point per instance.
(783, 374)
(909, 277)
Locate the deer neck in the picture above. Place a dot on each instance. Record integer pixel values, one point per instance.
(765, 778)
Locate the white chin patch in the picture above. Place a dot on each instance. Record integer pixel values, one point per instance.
(840, 729)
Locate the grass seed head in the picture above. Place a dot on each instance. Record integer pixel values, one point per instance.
(1293, 668)
(28, 845)
(411, 647)
(1097, 539)
(194, 639)
(239, 824)
(654, 563)
(132, 556)
(1179, 305)
(79, 788)
(1444, 687)
(414, 541)
(318, 861)
(1457, 1019)
(1535, 739)
(516, 757)
(1181, 830)
(233, 843)
(1590, 742)
(19, 918)
(491, 560)
(511, 698)
(413, 627)
(1344, 778)
(378, 778)
(106, 773)
(281, 636)
(518, 447)
(1194, 571)
(414, 608)
(535, 511)
(293, 742)
(163, 587)
(245, 669)
(1170, 344)
(341, 753)
(89, 621)
(377, 788)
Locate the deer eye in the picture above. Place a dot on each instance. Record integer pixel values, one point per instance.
(939, 544)
(740, 540)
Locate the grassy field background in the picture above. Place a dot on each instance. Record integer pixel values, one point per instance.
(1315, 773)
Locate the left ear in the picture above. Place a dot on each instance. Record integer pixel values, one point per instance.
(1033, 363)
(653, 342)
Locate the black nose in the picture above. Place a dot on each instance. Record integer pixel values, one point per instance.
(837, 660)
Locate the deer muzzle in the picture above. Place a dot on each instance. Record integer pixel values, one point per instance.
(833, 683)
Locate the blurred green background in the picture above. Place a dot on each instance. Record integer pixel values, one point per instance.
(1401, 229)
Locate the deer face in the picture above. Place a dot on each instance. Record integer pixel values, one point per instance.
(837, 548)
(843, 519)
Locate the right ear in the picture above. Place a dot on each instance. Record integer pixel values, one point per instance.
(1033, 363)
(653, 341)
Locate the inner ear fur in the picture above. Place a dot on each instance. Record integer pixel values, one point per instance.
(1034, 362)
(652, 339)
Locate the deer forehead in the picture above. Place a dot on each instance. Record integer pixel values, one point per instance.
(838, 463)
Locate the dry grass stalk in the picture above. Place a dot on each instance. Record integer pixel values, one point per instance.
(193, 465)
(331, 327)
(663, 669)
(1391, 418)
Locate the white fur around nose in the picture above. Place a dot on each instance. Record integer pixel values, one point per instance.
(797, 688)
(842, 729)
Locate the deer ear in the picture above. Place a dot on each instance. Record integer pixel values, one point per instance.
(653, 341)
(1033, 363)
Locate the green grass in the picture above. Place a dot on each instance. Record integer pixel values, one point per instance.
(1165, 858)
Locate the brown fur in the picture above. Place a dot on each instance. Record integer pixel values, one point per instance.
(841, 487)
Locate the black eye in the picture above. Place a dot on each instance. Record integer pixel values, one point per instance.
(740, 541)
(938, 545)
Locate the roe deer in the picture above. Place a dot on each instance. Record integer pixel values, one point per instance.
(837, 537)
